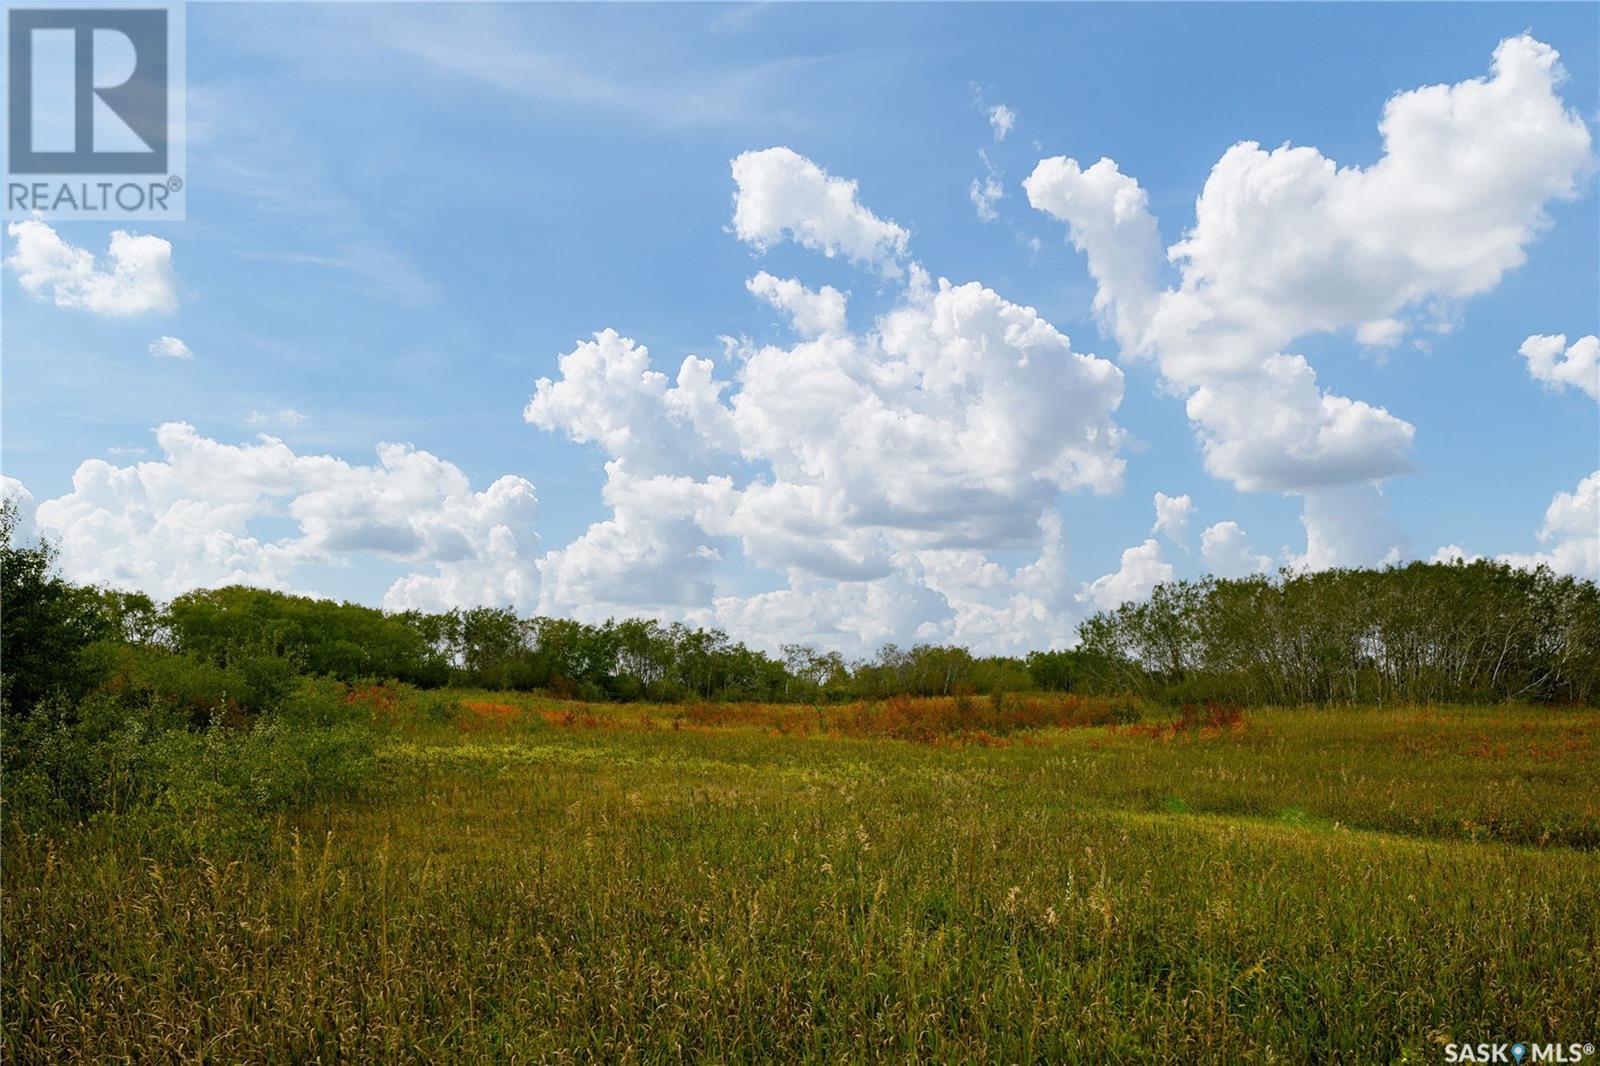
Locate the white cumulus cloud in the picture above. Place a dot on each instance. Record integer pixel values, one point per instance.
(1227, 552)
(1571, 530)
(1553, 362)
(1348, 525)
(783, 195)
(874, 465)
(1172, 516)
(1452, 553)
(1142, 569)
(209, 513)
(136, 275)
(1286, 243)
(812, 313)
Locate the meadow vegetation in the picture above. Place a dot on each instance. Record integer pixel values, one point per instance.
(231, 839)
(525, 879)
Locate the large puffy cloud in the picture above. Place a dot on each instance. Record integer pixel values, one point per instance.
(1172, 516)
(1276, 431)
(855, 617)
(1348, 525)
(950, 595)
(654, 555)
(1227, 552)
(136, 275)
(198, 518)
(1453, 553)
(1108, 219)
(1142, 569)
(608, 395)
(1551, 361)
(953, 423)
(819, 313)
(1571, 530)
(1286, 243)
(879, 466)
(956, 418)
(783, 195)
(1000, 610)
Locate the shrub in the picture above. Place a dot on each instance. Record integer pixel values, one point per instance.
(1126, 711)
(140, 769)
(437, 708)
(264, 681)
(318, 703)
(146, 674)
(217, 789)
(69, 760)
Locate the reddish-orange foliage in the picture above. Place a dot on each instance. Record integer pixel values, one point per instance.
(571, 719)
(478, 715)
(381, 700)
(986, 721)
(1205, 722)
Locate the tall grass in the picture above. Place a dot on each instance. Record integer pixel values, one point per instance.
(1293, 886)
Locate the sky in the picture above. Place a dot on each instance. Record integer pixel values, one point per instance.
(842, 324)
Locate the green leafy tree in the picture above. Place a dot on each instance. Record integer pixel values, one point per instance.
(46, 623)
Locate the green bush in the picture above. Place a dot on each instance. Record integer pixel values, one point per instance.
(68, 760)
(264, 681)
(140, 769)
(317, 703)
(217, 790)
(436, 707)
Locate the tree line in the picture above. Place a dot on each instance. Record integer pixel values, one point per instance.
(1482, 632)
(1478, 632)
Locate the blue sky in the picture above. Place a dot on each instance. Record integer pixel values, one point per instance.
(399, 217)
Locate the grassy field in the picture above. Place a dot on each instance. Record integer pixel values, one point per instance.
(543, 881)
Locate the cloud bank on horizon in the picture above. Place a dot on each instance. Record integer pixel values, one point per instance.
(913, 473)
